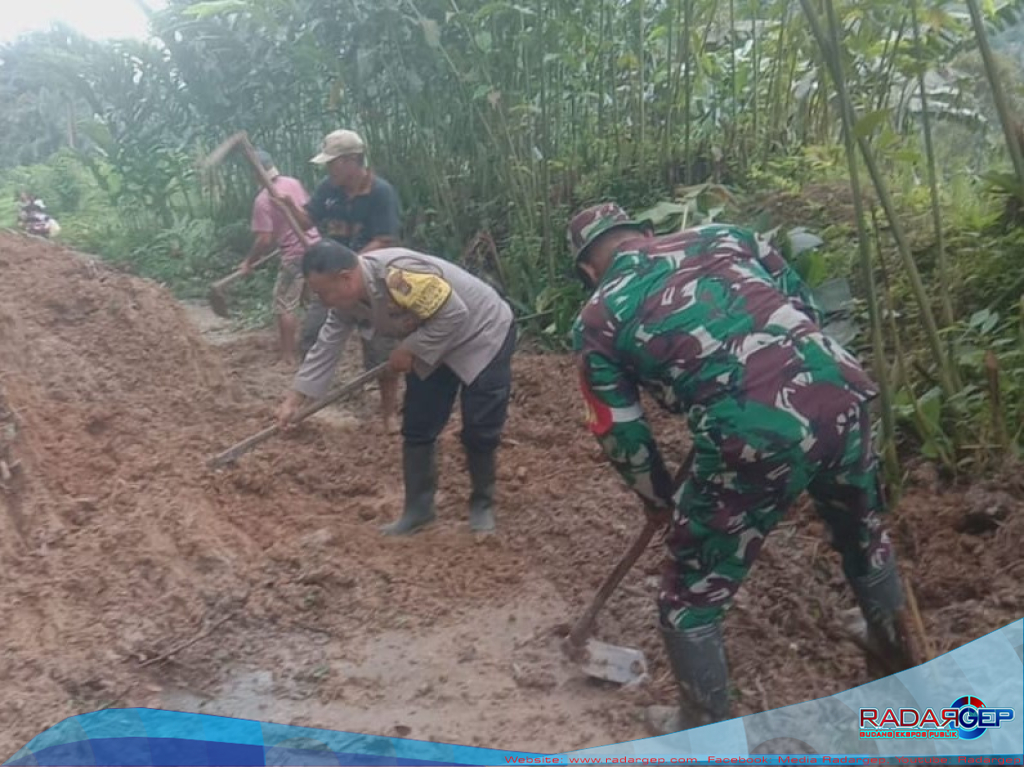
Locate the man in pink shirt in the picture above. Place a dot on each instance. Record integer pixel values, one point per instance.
(271, 228)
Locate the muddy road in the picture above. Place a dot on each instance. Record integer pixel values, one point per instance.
(134, 576)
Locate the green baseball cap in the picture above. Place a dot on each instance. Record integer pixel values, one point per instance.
(590, 223)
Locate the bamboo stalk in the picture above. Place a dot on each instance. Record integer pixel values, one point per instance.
(641, 88)
(996, 402)
(948, 377)
(893, 49)
(545, 168)
(757, 70)
(940, 239)
(926, 430)
(998, 96)
(667, 150)
(734, 127)
(829, 52)
(687, 89)
(774, 108)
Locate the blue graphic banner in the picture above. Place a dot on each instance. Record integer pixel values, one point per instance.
(965, 708)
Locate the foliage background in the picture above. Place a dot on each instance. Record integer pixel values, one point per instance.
(495, 119)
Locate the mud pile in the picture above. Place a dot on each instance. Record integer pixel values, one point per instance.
(119, 546)
(107, 546)
(129, 568)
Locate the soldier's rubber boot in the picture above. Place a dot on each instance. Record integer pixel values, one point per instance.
(482, 475)
(882, 603)
(419, 469)
(697, 657)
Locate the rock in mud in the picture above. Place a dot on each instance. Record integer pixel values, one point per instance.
(537, 679)
(986, 508)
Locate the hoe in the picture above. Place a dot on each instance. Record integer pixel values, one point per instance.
(598, 659)
(240, 140)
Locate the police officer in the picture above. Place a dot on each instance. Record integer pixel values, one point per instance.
(454, 336)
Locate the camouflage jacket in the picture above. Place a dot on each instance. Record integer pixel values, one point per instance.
(713, 322)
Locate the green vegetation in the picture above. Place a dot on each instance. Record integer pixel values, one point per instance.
(887, 129)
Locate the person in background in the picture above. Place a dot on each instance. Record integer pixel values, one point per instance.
(360, 210)
(272, 229)
(33, 217)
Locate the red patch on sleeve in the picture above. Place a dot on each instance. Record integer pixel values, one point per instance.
(599, 415)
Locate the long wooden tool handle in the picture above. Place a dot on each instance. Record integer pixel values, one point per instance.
(233, 452)
(236, 274)
(584, 625)
(268, 184)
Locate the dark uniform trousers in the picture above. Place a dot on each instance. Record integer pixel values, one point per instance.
(429, 401)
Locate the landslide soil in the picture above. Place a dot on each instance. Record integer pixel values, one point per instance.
(133, 575)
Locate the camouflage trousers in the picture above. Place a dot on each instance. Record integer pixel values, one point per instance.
(736, 493)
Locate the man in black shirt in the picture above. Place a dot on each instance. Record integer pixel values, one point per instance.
(353, 205)
(362, 211)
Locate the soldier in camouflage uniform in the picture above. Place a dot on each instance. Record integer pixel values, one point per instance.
(712, 322)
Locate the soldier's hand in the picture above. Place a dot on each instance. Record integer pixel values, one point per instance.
(288, 410)
(662, 515)
(245, 267)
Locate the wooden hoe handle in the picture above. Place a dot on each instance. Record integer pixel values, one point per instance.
(581, 630)
(241, 139)
(233, 452)
(224, 281)
(583, 626)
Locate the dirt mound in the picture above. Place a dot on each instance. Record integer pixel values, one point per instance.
(105, 397)
(134, 576)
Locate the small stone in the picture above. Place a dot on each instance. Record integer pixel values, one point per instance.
(318, 540)
(539, 680)
(852, 621)
(986, 509)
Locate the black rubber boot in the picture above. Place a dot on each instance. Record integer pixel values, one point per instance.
(697, 657)
(881, 601)
(482, 475)
(419, 467)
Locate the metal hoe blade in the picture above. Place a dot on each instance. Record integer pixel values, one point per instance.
(218, 303)
(622, 665)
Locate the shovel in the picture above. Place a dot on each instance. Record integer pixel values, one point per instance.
(235, 451)
(216, 297)
(602, 660)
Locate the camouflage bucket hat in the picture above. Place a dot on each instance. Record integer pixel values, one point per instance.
(590, 223)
